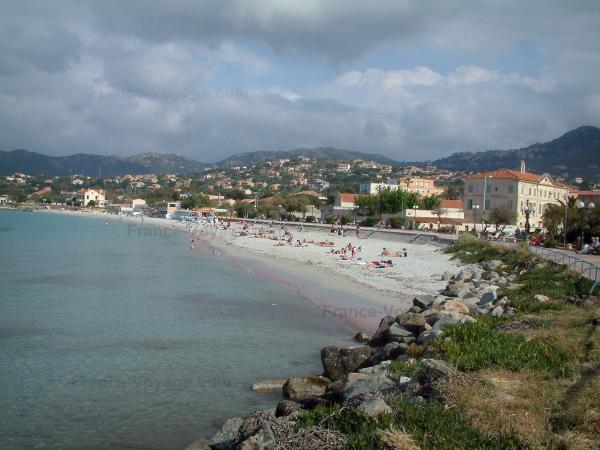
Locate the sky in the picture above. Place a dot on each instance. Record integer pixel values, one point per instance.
(413, 80)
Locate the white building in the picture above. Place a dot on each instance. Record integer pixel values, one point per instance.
(343, 167)
(374, 188)
(85, 196)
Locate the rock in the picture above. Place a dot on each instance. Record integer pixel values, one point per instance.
(540, 298)
(446, 319)
(476, 275)
(446, 275)
(338, 361)
(487, 297)
(463, 275)
(200, 444)
(286, 407)
(259, 430)
(454, 307)
(298, 388)
(378, 337)
(493, 264)
(378, 382)
(458, 289)
(433, 370)
(375, 407)
(313, 401)
(502, 281)
(394, 349)
(269, 385)
(436, 276)
(361, 336)
(498, 311)
(415, 323)
(226, 436)
(429, 336)
(397, 333)
(423, 301)
(414, 309)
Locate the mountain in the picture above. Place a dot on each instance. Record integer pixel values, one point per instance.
(94, 165)
(319, 153)
(575, 153)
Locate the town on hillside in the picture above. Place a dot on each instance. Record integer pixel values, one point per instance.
(509, 201)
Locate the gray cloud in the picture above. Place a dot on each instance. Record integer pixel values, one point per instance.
(125, 77)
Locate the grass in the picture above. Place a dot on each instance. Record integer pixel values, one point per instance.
(430, 425)
(471, 250)
(474, 346)
(403, 368)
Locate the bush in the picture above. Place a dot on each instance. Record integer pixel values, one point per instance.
(346, 219)
(474, 346)
(309, 219)
(396, 222)
(550, 243)
(370, 222)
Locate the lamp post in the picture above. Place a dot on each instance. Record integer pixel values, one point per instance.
(527, 212)
(485, 178)
(475, 208)
(415, 207)
(566, 218)
(582, 208)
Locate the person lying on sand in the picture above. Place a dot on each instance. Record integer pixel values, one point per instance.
(381, 264)
(325, 244)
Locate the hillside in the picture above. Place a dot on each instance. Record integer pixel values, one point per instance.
(576, 153)
(319, 153)
(94, 165)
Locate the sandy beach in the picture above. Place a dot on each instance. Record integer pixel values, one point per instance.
(354, 288)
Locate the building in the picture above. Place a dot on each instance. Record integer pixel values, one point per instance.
(588, 196)
(344, 200)
(166, 209)
(85, 196)
(343, 167)
(374, 188)
(422, 186)
(319, 185)
(449, 213)
(512, 189)
(4, 200)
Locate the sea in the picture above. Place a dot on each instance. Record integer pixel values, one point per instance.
(115, 335)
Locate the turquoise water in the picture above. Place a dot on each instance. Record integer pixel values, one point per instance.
(113, 338)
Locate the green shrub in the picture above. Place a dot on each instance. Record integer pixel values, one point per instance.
(309, 219)
(370, 222)
(396, 222)
(346, 219)
(403, 368)
(474, 346)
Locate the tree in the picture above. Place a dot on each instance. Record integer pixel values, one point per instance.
(91, 203)
(430, 202)
(502, 216)
(439, 212)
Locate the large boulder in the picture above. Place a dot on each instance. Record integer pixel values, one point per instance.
(338, 361)
(378, 383)
(397, 333)
(269, 385)
(458, 289)
(488, 298)
(225, 438)
(431, 372)
(298, 388)
(413, 322)
(429, 336)
(453, 307)
(447, 319)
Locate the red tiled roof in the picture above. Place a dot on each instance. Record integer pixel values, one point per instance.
(452, 204)
(588, 193)
(348, 198)
(508, 173)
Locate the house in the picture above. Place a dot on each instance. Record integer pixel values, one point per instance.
(319, 184)
(512, 189)
(343, 167)
(344, 200)
(166, 209)
(421, 186)
(4, 200)
(85, 196)
(374, 188)
(588, 196)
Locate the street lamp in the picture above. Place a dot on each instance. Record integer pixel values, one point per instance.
(475, 208)
(582, 208)
(527, 212)
(415, 207)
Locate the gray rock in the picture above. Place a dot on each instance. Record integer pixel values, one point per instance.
(376, 383)
(337, 361)
(433, 370)
(502, 281)
(447, 319)
(394, 349)
(429, 336)
(378, 337)
(286, 407)
(498, 311)
(224, 439)
(375, 407)
(476, 275)
(493, 264)
(396, 333)
(413, 322)
(540, 298)
(487, 297)
(446, 275)
(423, 301)
(298, 388)
(414, 309)
(458, 289)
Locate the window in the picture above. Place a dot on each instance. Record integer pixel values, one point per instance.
(487, 203)
(509, 204)
(470, 203)
(470, 188)
(488, 189)
(511, 188)
(529, 191)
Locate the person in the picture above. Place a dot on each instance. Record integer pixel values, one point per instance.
(353, 252)
(357, 229)
(385, 252)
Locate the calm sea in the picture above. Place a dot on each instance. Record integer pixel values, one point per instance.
(113, 337)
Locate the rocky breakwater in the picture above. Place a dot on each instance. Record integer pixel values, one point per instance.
(395, 361)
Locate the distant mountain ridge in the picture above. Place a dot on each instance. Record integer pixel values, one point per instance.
(318, 153)
(95, 165)
(576, 153)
